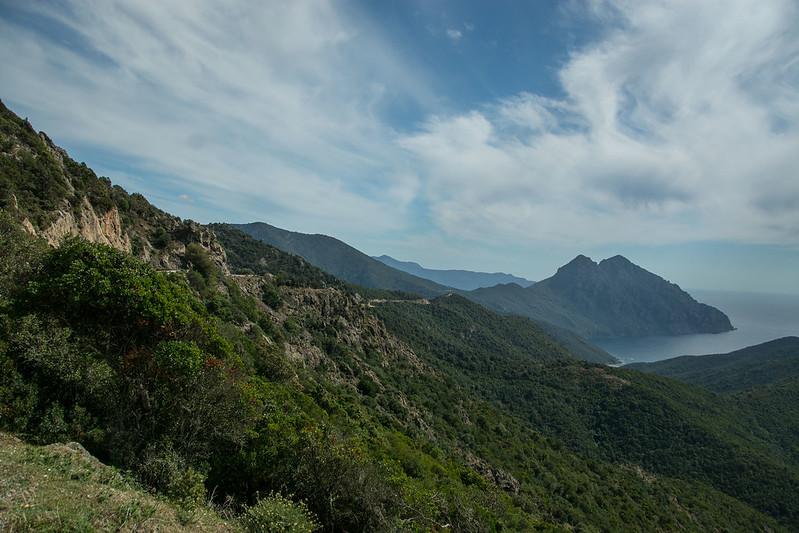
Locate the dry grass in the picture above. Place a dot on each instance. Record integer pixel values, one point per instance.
(62, 488)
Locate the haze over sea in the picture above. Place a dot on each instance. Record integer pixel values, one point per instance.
(757, 317)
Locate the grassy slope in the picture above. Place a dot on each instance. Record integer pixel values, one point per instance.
(61, 487)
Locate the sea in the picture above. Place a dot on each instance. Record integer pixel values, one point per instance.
(756, 317)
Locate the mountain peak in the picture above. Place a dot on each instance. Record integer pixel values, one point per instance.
(579, 263)
(617, 262)
(580, 267)
(619, 298)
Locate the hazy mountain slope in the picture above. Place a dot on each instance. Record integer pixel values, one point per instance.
(345, 262)
(755, 366)
(459, 279)
(611, 299)
(342, 260)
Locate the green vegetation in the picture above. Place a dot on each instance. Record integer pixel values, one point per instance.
(624, 417)
(62, 488)
(278, 514)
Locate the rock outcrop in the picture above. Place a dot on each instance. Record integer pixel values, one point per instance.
(87, 223)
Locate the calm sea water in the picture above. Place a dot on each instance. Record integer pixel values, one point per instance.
(758, 318)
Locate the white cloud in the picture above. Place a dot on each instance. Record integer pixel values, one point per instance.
(680, 124)
(272, 104)
(454, 34)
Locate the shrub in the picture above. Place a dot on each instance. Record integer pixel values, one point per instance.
(279, 514)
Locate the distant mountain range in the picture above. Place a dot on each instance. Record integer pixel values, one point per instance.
(614, 298)
(466, 280)
(460, 279)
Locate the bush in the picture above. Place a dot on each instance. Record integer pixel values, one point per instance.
(278, 514)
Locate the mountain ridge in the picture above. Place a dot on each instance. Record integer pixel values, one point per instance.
(456, 278)
(342, 260)
(612, 298)
(763, 364)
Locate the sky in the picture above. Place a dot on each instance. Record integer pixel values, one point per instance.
(501, 136)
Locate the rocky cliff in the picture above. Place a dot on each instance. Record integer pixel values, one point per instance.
(54, 197)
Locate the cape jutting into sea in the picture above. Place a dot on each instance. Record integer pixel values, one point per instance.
(757, 317)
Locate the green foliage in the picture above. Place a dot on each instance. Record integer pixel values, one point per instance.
(169, 471)
(81, 280)
(244, 251)
(271, 296)
(469, 336)
(185, 357)
(203, 275)
(106, 350)
(279, 514)
(608, 414)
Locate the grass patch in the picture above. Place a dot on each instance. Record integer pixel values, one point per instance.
(61, 487)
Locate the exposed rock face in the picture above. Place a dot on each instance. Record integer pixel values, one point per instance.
(173, 255)
(206, 238)
(495, 476)
(104, 228)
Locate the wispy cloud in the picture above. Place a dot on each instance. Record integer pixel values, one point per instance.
(681, 124)
(454, 34)
(276, 103)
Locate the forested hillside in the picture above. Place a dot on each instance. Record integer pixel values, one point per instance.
(224, 374)
(349, 264)
(755, 366)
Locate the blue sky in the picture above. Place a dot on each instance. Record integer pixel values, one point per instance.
(495, 136)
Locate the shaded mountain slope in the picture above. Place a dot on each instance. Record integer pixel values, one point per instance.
(755, 366)
(459, 279)
(614, 298)
(342, 260)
